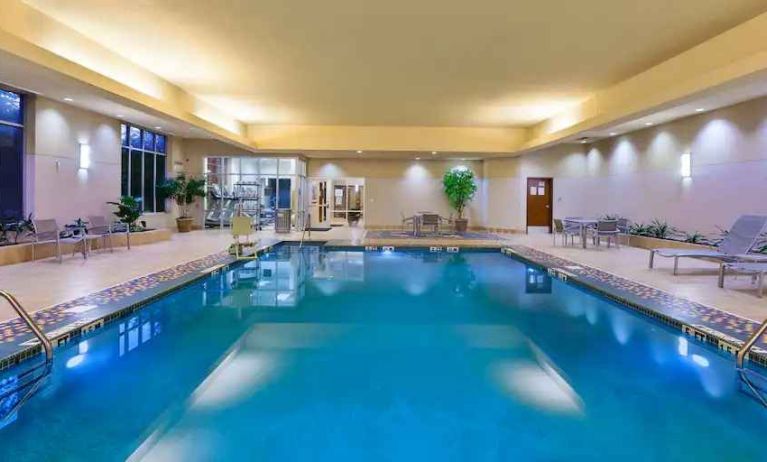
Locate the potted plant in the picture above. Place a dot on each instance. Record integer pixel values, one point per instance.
(184, 191)
(128, 211)
(459, 188)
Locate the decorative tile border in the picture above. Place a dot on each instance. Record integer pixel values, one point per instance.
(726, 331)
(80, 316)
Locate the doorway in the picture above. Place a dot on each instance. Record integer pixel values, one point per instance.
(337, 202)
(540, 194)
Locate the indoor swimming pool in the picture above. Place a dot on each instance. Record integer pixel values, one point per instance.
(313, 354)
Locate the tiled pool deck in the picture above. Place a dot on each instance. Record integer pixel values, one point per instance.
(71, 319)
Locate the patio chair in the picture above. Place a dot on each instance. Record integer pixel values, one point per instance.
(608, 229)
(430, 220)
(99, 229)
(734, 247)
(755, 269)
(47, 232)
(565, 230)
(446, 225)
(407, 222)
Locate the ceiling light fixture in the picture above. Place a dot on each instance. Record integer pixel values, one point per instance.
(359, 152)
(613, 133)
(119, 116)
(648, 123)
(417, 158)
(158, 128)
(700, 109)
(68, 99)
(434, 153)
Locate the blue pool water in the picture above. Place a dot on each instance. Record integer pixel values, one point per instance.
(342, 355)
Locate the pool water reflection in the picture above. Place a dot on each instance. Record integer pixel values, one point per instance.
(346, 355)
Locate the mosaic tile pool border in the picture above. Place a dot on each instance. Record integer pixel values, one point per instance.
(68, 320)
(726, 331)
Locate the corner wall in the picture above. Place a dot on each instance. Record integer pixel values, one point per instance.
(394, 187)
(638, 175)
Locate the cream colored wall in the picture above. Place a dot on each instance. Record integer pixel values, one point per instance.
(55, 186)
(401, 186)
(638, 174)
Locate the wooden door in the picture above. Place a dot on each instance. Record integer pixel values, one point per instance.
(539, 193)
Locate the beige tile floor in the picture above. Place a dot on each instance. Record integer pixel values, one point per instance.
(44, 283)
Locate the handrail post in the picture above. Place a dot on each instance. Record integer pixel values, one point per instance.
(44, 341)
(741, 356)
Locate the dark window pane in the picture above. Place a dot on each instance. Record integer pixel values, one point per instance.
(148, 141)
(135, 138)
(284, 198)
(124, 134)
(136, 174)
(10, 107)
(11, 203)
(148, 182)
(159, 175)
(160, 143)
(124, 173)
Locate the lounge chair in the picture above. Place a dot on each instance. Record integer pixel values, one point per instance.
(47, 232)
(565, 230)
(756, 269)
(734, 247)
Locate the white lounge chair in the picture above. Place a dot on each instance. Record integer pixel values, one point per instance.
(756, 269)
(734, 247)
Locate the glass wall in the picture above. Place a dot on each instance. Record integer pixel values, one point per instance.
(143, 166)
(257, 187)
(11, 155)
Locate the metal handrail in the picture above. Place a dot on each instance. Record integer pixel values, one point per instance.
(743, 352)
(44, 341)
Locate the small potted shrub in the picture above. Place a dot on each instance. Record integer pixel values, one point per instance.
(128, 211)
(459, 187)
(184, 191)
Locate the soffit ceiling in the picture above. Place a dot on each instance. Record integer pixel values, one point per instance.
(397, 62)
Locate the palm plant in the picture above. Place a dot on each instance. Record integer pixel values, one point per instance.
(128, 211)
(184, 191)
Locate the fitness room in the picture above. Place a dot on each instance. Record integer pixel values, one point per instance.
(268, 189)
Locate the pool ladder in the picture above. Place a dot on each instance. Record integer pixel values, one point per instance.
(33, 384)
(744, 372)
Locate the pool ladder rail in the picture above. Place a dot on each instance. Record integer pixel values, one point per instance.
(759, 393)
(25, 381)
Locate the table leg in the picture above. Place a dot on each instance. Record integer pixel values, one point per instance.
(583, 235)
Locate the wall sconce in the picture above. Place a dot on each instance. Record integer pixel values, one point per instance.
(685, 161)
(84, 156)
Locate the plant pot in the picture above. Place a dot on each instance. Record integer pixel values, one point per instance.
(461, 225)
(184, 224)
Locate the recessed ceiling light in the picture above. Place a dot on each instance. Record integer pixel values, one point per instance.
(700, 109)
(417, 158)
(158, 128)
(119, 116)
(648, 123)
(583, 141)
(613, 133)
(463, 158)
(434, 153)
(68, 100)
(359, 152)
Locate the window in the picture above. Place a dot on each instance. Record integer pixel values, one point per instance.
(143, 166)
(11, 154)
